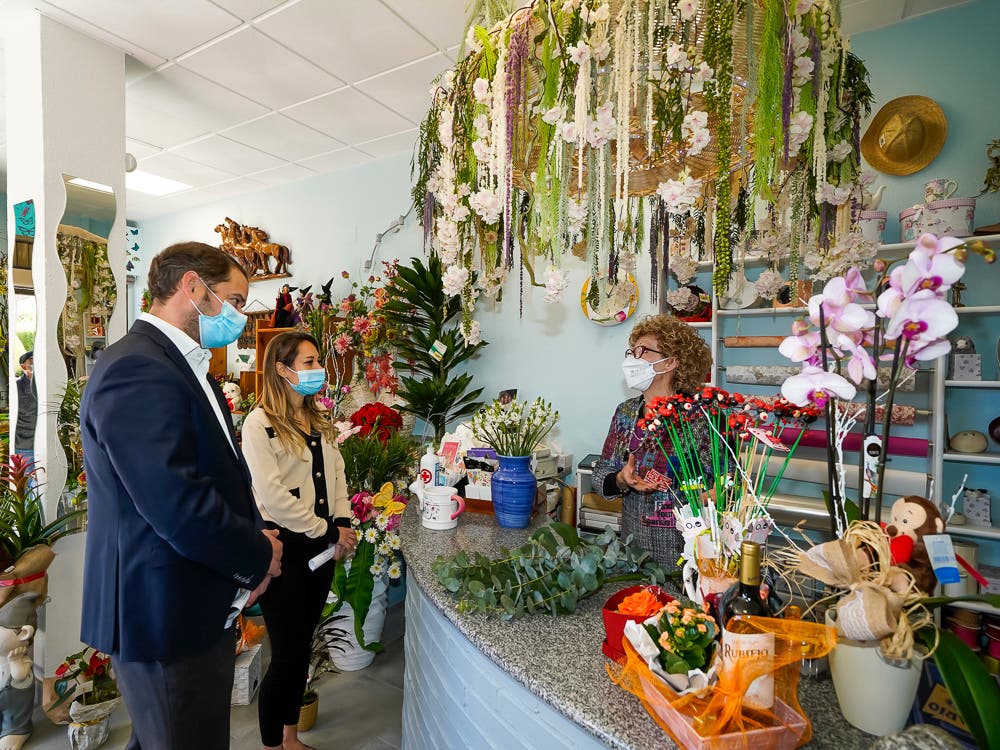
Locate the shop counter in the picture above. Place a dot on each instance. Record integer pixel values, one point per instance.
(476, 681)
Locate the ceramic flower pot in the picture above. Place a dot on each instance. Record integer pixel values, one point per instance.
(875, 694)
(308, 713)
(513, 487)
(352, 656)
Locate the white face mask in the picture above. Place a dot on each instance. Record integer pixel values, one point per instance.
(639, 373)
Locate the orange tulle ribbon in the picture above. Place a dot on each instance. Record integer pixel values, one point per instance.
(718, 711)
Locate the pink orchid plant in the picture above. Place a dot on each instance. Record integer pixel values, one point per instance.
(903, 319)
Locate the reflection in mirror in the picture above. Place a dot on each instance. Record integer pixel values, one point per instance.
(82, 244)
(20, 346)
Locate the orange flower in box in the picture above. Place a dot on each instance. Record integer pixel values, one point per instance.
(615, 617)
(643, 603)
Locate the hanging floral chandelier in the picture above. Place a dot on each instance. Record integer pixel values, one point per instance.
(609, 125)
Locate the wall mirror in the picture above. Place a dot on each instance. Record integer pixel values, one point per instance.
(21, 337)
(82, 329)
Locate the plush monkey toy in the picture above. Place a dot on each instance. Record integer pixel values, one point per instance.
(912, 517)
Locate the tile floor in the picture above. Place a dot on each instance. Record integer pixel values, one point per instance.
(360, 710)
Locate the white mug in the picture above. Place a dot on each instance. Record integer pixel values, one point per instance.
(939, 189)
(441, 507)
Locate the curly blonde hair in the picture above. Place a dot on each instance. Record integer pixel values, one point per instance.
(675, 338)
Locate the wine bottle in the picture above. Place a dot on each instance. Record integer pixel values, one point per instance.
(742, 644)
(747, 600)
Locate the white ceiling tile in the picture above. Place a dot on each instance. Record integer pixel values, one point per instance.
(441, 21)
(922, 7)
(135, 69)
(391, 145)
(283, 137)
(183, 170)
(248, 9)
(285, 173)
(228, 155)
(80, 23)
(178, 93)
(352, 40)
(167, 29)
(345, 157)
(227, 189)
(261, 69)
(406, 89)
(140, 150)
(872, 14)
(158, 127)
(349, 116)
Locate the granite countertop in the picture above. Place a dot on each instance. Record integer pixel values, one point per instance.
(568, 671)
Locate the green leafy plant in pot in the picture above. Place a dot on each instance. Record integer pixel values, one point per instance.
(430, 348)
(326, 639)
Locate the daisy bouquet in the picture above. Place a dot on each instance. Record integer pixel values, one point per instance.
(903, 319)
(719, 446)
(375, 518)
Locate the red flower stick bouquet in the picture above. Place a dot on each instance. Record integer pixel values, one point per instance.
(723, 488)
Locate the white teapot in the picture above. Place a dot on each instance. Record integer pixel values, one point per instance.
(440, 507)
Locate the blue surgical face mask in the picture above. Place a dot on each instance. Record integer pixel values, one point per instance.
(310, 382)
(222, 329)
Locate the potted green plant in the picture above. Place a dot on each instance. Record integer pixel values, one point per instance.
(87, 680)
(327, 639)
(430, 347)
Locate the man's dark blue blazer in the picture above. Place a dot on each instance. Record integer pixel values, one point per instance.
(173, 531)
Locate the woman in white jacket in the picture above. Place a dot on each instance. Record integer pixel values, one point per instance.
(300, 489)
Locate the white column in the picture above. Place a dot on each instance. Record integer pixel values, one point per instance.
(65, 97)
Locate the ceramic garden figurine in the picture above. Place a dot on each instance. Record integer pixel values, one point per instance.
(18, 620)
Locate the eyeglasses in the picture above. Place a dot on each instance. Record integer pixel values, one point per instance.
(638, 351)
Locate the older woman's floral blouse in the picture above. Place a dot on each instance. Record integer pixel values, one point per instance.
(649, 518)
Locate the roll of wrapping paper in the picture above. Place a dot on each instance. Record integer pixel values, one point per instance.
(567, 513)
(747, 342)
(901, 414)
(898, 446)
(777, 374)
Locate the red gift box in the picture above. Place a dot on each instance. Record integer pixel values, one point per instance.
(614, 621)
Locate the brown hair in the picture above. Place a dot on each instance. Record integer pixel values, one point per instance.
(210, 263)
(274, 392)
(676, 338)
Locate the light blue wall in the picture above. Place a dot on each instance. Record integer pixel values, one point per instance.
(953, 58)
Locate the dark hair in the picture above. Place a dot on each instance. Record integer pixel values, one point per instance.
(210, 263)
(25, 357)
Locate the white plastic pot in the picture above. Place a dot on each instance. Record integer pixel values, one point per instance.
(352, 656)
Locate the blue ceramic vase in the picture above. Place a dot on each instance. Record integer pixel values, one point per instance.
(513, 488)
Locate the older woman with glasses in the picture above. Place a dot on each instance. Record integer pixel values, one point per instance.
(665, 356)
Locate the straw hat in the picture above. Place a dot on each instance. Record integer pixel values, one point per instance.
(905, 135)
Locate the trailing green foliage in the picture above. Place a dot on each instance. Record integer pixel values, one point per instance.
(551, 573)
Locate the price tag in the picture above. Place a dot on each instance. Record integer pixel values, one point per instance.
(438, 349)
(656, 478)
(768, 439)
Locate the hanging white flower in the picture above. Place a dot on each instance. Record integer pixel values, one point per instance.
(552, 115)
(555, 283)
(768, 284)
(839, 152)
(576, 216)
(699, 141)
(471, 333)
(602, 50)
(472, 43)
(684, 268)
(486, 203)
(445, 134)
(676, 56)
(482, 126)
(567, 131)
(799, 129)
(579, 53)
(802, 70)
(454, 279)
(688, 9)
(680, 195)
(481, 90)
(601, 13)
(682, 300)
(482, 151)
(800, 42)
(803, 6)
(836, 196)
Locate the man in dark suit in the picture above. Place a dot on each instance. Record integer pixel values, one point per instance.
(175, 543)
